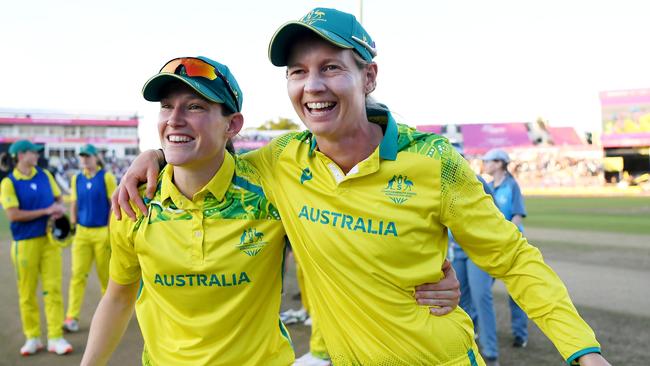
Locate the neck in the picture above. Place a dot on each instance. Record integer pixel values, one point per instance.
(189, 179)
(24, 168)
(499, 176)
(353, 148)
(92, 170)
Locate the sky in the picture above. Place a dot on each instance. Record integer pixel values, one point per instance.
(440, 61)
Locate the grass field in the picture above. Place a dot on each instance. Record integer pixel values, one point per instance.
(613, 214)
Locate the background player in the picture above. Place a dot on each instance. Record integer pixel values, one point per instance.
(30, 197)
(91, 190)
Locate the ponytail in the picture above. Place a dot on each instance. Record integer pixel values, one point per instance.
(7, 162)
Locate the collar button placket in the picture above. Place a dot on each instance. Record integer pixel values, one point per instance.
(197, 236)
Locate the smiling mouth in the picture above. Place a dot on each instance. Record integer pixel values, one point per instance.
(179, 139)
(316, 107)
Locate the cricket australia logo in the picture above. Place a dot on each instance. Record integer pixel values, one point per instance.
(399, 189)
(251, 242)
(313, 17)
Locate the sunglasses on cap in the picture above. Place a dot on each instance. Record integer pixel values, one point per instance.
(195, 67)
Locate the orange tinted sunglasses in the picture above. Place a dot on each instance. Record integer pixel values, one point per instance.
(195, 67)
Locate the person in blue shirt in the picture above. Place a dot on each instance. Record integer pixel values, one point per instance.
(476, 296)
(31, 197)
(510, 202)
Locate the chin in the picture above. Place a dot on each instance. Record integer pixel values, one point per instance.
(176, 159)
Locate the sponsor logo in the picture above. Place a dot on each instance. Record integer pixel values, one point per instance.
(89, 185)
(399, 189)
(33, 186)
(306, 175)
(251, 241)
(348, 222)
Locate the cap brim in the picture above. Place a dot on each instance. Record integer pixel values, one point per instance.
(152, 90)
(285, 35)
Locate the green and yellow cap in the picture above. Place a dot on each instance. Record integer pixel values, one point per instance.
(339, 28)
(22, 146)
(88, 149)
(212, 80)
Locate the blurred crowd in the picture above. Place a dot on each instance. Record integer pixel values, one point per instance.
(553, 167)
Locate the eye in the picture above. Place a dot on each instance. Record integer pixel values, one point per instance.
(331, 67)
(164, 105)
(195, 106)
(294, 73)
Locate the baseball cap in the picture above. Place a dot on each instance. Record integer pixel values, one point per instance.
(210, 79)
(22, 146)
(88, 149)
(339, 28)
(497, 154)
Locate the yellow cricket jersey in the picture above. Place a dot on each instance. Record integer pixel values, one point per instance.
(109, 181)
(210, 271)
(365, 239)
(8, 197)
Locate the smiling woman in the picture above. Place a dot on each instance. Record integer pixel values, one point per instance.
(206, 240)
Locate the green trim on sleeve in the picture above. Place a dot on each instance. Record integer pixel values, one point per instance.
(472, 357)
(573, 359)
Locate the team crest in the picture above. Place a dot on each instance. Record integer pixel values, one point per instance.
(313, 17)
(33, 186)
(251, 242)
(399, 189)
(89, 185)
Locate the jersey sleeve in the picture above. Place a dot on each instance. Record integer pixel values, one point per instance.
(56, 191)
(8, 197)
(73, 187)
(497, 246)
(124, 266)
(111, 183)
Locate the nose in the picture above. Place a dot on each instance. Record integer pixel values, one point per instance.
(314, 83)
(176, 118)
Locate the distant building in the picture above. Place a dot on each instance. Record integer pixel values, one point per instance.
(626, 129)
(476, 139)
(115, 136)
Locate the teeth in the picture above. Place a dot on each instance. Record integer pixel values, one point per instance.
(320, 105)
(179, 138)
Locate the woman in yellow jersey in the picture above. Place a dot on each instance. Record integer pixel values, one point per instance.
(203, 266)
(357, 175)
(30, 197)
(91, 190)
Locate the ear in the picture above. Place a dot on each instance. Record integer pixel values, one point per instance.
(235, 124)
(371, 78)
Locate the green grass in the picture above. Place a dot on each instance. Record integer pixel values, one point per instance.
(5, 234)
(612, 214)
